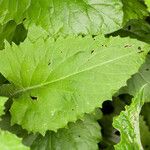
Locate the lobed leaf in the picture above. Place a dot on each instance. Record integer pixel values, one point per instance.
(58, 81)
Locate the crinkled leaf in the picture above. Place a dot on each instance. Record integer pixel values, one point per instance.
(59, 81)
(128, 125)
(67, 16)
(10, 141)
(145, 134)
(133, 9)
(80, 135)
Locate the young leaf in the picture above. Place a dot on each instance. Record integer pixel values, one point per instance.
(59, 81)
(66, 17)
(128, 124)
(80, 135)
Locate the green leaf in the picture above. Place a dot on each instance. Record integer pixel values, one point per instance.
(128, 124)
(6, 32)
(138, 80)
(12, 33)
(145, 134)
(80, 135)
(10, 141)
(2, 102)
(147, 2)
(133, 9)
(145, 113)
(138, 29)
(67, 16)
(58, 81)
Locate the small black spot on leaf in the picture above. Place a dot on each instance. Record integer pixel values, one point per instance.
(93, 36)
(92, 51)
(127, 46)
(147, 69)
(140, 51)
(33, 97)
(139, 48)
(49, 62)
(24, 19)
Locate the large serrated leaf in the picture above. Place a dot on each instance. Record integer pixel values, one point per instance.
(59, 81)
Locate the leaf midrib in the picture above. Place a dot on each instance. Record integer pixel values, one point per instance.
(64, 77)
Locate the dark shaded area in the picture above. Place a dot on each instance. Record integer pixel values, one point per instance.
(110, 109)
(137, 29)
(107, 107)
(12, 32)
(20, 34)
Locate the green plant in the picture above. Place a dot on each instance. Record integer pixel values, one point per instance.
(74, 75)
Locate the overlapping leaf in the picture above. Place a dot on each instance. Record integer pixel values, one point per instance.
(138, 29)
(12, 32)
(128, 124)
(145, 134)
(9, 141)
(59, 81)
(67, 16)
(80, 135)
(138, 80)
(133, 9)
